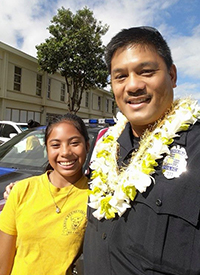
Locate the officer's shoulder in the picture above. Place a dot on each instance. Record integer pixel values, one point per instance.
(194, 131)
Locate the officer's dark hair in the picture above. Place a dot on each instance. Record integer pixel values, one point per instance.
(143, 36)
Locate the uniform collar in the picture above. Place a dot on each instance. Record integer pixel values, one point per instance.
(127, 143)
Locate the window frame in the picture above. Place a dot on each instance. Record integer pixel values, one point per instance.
(17, 79)
(62, 92)
(39, 85)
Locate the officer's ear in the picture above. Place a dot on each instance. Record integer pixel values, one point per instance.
(173, 75)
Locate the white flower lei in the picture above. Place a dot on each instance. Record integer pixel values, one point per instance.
(112, 189)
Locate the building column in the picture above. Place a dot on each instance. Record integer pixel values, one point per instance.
(4, 81)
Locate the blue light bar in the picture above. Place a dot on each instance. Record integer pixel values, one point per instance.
(93, 121)
(110, 121)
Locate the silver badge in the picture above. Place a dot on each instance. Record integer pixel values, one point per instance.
(175, 163)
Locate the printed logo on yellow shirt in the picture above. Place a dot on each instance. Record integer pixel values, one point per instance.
(74, 222)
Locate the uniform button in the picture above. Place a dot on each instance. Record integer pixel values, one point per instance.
(104, 236)
(158, 202)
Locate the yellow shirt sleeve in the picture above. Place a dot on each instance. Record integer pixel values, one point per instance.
(8, 214)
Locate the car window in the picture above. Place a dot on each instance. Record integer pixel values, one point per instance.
(7, 130)
(28, 151)
(22, 127)
(1, 126)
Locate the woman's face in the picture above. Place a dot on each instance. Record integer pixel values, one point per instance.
(67, 150)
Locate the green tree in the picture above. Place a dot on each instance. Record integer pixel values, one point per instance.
(75, 49)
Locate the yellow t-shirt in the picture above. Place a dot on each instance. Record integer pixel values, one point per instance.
(47, 242)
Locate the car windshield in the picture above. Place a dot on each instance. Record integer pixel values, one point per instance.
(29, 150)
(22, 127)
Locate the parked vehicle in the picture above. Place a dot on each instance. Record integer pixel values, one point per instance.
(9, 129)
(18, 160)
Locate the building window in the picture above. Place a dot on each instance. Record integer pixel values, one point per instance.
(62, 92)
(49, 88)
(113, 107)
(99, 103)
(39, 85)
(17, 78)
(22, 115)
(87, 99)
(107, 105)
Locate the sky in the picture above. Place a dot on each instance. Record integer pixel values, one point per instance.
(23, 25)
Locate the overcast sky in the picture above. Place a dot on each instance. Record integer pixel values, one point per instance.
(23, 24)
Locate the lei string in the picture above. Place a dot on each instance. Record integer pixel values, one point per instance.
(113, 188)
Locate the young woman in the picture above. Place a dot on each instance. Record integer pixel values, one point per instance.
(43, 222)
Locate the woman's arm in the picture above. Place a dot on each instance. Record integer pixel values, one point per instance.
(7, 252)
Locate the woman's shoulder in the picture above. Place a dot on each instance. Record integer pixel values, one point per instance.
(29, 183)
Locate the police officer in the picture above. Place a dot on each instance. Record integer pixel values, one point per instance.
(143, 215)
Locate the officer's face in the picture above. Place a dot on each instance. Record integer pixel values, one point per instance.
(142, 85)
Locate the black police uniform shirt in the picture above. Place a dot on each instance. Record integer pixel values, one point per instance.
(160, 233)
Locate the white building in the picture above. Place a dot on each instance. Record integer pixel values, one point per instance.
(27, 93)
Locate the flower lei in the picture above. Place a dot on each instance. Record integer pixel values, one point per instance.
(112, 189)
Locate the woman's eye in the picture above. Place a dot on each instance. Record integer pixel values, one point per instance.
(55, 145)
